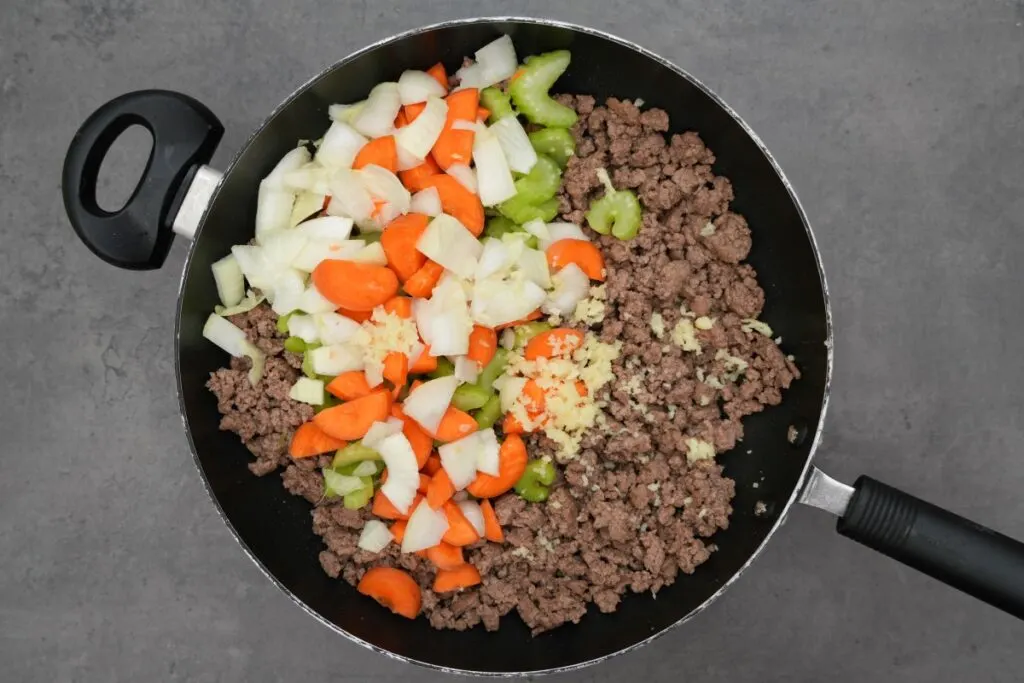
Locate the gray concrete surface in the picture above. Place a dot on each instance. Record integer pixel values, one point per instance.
(900, 125)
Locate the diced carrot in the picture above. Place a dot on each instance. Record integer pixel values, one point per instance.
(349, 385)
(561, 341)
(535, 401)
(414, 178)
(440, 490)
(425, 363)
(310, 440)
(482, 113)
(401, 121)
(398, 530)
(581, 252)
(460, 530)
(446, 556)
(492, 528)
(358, 316)
(463, 105)
(396, 368)
(517, 74)
(433, 465)
(511, 465)
(385, 509)
(438, 72)
(399, 242)
(421, 442)
(351, 420)
(483, 342)
(400, 306)
(454, 425)
(421, 285)
(327, 201)
(378, 206)
(459, 202)
(379, 151)
(533, 316)
(512, 425)
(448, 580)
(412, 111)
(394, 589)
(455, 146)
(354, 285)
(424, 484)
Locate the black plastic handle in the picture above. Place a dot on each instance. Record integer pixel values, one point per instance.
(185, 134)
(947, 547)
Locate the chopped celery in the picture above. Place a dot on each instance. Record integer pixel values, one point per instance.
(533, 485)
(489, 413)
(359, 498)
(444, 368)
(498, 226)
(540, 184)
(368, 236)
(529, 90)
(307, 364)
(493, 370)
(355, 452)
(497, 102)
(470, 397)
(329, 400)
(295, 344)
(522, 211)
(282, 323)
(556, 143)
(336, 484)
(617, 212)
(528, 331)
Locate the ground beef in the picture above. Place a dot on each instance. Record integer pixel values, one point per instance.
(631, 511)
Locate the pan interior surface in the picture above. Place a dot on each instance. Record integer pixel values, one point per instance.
(275, 527)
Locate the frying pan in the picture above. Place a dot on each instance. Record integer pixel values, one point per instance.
(178, 194)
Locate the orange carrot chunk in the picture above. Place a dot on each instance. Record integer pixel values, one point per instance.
(412, 111)
(398, 530)
(401, 121)
(440, 490)
(424, 484)
(379, 151)
(421, 442)
(483, 342)
(445, 556)
(353, 285)
(385, 509)
(351, 420)
(399, 242)
(415, 177)
(492, 528)
(533, 316)
(432, 466)
(394, 589)
(448, 580)
(455, 425)
(400, 306)
(358, 316)
(349, 385)
(455, 146)
(439, 74)
(425, 363)
(460, 530)
(581, 252)
(310, 440)
(459, 202)
(561, 341)
(421, 285)
(482, 113)
(396, 368)
(511, 465)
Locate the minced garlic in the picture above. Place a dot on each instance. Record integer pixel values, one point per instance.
(734, 366)
(658, 325)
(684, 335)
(708, 230)
(704, 323)
(752, 325)
(698, 449)
(383, 333)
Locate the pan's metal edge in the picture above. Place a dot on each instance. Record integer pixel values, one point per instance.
(828, 342)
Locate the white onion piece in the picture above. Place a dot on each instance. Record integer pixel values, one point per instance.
(571, 286)
(487, 460)
(327, 228)
(288, 288)
(310, 178)
(375, 536)
(307, 204)
(472, 76)
(251, 300)
(533, 265)
(537, 228)
(378, 431)
(419, 136)
(315, 253)
(306, 390)
(425, 528)
(417, 86)
(496, 302)
(427, 403)
(498, 59)
(474, 515)
(314, 302)
(349, 196)
(465, 175)
(458, 459)
(562, 231)
(227, 275)
(466, 370)
(340, 146)
(508, 339)
(374, 373)
(509, 390)
(341, 484)
(335, 359)
(403, 471)
(492, 171)
(385, 186)
(305, 327)
(494, 259)
(511, 135)
(281, 247)
(371, 253)
(444, 321)
(450, 244)
(406, 159)
(253, 263)
(345, 112)
(333, 328)
(273, 209)
(292, 161)
(228, 336)
(427, 202)
(377, 117)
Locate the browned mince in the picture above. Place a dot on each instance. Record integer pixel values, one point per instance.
(630, 512)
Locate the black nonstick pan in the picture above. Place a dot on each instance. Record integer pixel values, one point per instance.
(178, 194)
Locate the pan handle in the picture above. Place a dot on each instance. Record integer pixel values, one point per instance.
(960, 553)
(185, 134)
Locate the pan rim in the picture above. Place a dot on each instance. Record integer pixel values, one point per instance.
(829, 358)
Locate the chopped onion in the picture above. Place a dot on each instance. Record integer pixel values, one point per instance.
(425, 528)
(533, 265)
(515, 144)
(508, 339)
(403, 471)
(406, 159)
(458, 458)
(258, 360)
(335, 359)
(383, 185)
(374, 373)
(419, 136)
(345, 112)
(488, 449)
(474, 126)
(349, 197)
(371, 253)
(375, 536)
(229, 280)
(450, 244)
(571, 286)
(466, 370)
(341, 484)
(253, 263)
(332, 328)
(310, 178)
(511, 389)
(472, 76)
(251, 301)
(367, 468)
(306, 390)
(304, 327)
(288, 287)
(316, 252)
(314, 302)
(465, 175)
(281, 247)
(427, 202)
(537, 228)
(327, 229)
(273, 209)
(340, 146)
(417, 86)
(496, 301)
(229, 337)
(377, 118)
(306, 204)
(427, 403)
(379, 431)
(492, 171)
(494, 259)
(473, 514)
(292, 161)
(498, 59)
(561, 231)
(444, 320)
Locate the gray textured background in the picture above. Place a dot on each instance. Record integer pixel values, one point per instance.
(900, 125)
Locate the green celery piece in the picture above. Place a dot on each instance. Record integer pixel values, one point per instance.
(444, 368)
(556, 143)
(527, 331)
(359, 499)
(489, 413)
(522, 211)
(355, 452)
(498, 226)
(540, 184)
(616, 212)
(497, 102)
(470, 397)
(529, 90)
(493, 370)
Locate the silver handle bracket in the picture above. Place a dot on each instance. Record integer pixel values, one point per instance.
(825, 493)
(197, 198)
